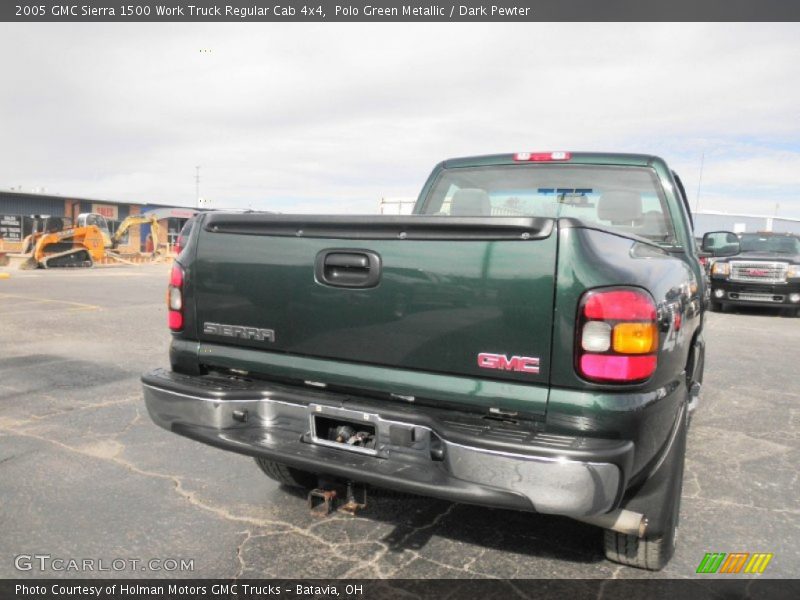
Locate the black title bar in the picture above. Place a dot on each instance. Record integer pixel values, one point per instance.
(399, 11)
(734, 588)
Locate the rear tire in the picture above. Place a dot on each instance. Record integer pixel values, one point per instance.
(653, 552)
(288, 476)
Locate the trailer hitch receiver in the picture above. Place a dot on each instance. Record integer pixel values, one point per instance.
(322, 501)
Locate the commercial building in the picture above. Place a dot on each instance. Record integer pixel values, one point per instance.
(709, 220)
(20, 210)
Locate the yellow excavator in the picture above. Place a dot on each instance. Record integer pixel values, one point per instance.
(81, 244)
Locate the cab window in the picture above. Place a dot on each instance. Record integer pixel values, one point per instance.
(628, 199)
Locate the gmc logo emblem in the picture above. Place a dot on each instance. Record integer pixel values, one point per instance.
(757, 272)
(523, 364)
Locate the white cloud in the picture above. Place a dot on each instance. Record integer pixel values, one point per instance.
(334, 116)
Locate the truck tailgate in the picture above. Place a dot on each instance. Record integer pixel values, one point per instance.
(455, 296)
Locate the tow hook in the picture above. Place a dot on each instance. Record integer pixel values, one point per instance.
(322, 501)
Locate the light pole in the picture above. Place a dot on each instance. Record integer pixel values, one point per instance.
(699, 181)
(197, 186)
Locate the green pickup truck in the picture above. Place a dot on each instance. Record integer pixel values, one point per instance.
(529, 338)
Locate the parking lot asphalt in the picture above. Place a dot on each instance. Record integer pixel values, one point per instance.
(85, 474)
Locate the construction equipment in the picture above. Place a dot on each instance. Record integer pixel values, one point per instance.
(78, 245)
(55, 242)
(131, 221)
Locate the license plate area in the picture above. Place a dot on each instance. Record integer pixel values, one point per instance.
(344, 429)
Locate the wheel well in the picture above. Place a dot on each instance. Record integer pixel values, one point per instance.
(695, 362)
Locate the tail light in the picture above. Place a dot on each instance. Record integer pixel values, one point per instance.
(175, 298)
(617, 336)
(179, 244)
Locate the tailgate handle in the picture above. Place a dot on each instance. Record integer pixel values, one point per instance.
(348, 268)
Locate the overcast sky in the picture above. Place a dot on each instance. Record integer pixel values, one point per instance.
(332, 117)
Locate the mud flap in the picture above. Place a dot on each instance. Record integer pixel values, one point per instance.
(695, 367)
(659, 496)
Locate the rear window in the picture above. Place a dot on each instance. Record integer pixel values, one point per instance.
(628, 199)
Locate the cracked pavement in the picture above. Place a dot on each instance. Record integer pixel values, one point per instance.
(84, 473)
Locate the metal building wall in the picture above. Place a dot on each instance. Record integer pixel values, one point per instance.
(704, 223)
(786, 225)
(24, 204)
(711, 222)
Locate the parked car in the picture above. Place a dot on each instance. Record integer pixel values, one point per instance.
(755, 269)
(530, 338)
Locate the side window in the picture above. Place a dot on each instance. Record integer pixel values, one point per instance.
(100, 221)
(97, 220)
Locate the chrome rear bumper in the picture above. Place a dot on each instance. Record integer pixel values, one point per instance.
(415, 452)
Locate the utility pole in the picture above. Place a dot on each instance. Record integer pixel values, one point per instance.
(197, 186)
(699, 181)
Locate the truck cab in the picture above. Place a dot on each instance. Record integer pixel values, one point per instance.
(96, 220)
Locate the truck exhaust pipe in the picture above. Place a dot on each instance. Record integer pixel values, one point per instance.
(620, 520)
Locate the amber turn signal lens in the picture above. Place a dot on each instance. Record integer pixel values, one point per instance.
(635, 338)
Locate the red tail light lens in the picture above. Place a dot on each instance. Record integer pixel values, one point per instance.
(541, 156)
(617, 336)
(175, 298)
(175, 320)
(627, 305)
(176, 276)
